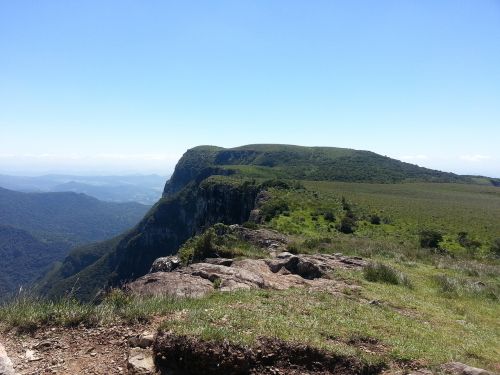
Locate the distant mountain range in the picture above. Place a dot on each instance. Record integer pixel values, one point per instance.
(145, 189)
(37, 229)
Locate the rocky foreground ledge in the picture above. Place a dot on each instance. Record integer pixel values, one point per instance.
(169, 278)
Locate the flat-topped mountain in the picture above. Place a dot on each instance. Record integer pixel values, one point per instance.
(195, 198)
(306, 163)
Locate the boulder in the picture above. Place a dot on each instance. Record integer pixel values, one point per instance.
(140, 362)
(457, 368)
(6, 366)
(165, 264)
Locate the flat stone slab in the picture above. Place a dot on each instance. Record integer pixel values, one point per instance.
(140, 362)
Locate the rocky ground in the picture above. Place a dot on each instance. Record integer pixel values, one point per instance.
(137, 349)
(282, 272)
(97, 350)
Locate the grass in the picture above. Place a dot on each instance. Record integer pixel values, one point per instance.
(431, 306)
(379, 272)
(410, 207)
(431, 322)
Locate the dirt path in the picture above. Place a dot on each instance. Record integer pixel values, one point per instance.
(100, 350)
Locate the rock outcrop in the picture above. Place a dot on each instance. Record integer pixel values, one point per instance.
(165, 264)
(6, 367)
(457, 368)
(283, 272)
(268, 239)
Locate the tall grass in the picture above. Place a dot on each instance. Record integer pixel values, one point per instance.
(379, 272)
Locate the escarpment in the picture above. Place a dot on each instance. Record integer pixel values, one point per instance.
(210, 185)
(172, 221)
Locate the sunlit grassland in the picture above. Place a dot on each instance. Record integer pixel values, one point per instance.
(408, 207)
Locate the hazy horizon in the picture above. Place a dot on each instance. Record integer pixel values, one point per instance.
(125, 87)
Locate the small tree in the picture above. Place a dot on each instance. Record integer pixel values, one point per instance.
(430, 239)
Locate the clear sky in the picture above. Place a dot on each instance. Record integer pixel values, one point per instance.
(127, 86)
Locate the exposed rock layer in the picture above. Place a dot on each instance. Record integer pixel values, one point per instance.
(283, 272)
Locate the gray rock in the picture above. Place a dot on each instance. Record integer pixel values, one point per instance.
(220, 261)
(280, 273)
(457, 368)
(174, 284)
(165, 264)
(144, 340)
(6, 366)
(140, 362)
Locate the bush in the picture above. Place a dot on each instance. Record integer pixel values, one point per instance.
(379, 272)
(329, 216)
(495, 248)
(274, 208)
(375, 220)
(430, 239)
(199, 248)
(447, 285)
(347, 225)
(470, 244)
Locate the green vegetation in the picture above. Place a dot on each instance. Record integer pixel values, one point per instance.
(38, 229)
(431, 291)
(379, 272)
(215, 242)
(67, 217)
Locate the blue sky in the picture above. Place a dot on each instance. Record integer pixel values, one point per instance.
(127, 86)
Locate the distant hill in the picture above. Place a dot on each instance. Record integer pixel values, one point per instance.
(195, 198)
(24, 258)
(68, 217)
(37, 229)
(145, 189)
(305, 163)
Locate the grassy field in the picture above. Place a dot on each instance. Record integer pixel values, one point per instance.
(413, 304)
(404, 209)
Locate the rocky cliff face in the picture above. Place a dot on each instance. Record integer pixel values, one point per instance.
(163, 230)
(178, 218)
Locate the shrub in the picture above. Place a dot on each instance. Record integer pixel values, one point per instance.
(430, 239)
(495, 248)
(465, 241)
(275, 183)
(375, 220)
(274, 208)
(293, 248)
(379, 272)
(199, 247)
(447, 285)
(347, 225)
(329, 216)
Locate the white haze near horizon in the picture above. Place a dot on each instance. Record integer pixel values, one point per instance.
(163, 163)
